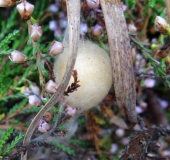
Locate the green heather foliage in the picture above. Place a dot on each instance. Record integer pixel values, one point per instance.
(5, 137)
(64, 148)
(13, 144)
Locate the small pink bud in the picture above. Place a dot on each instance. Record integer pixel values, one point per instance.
(149, 83)
(48, 116)
(161, 24)
(114, 148)
(93, 3)
(139, 110)
(7, 3)
(143, 105)
(51, 87)
(25, 9)
(36, 32)
(34, 100)
(124, 7)
(83, 29)
(132, 28)
(43, 126)
(56, 48)
(53, 25)
(97, 30)
(35, 89)
(120, 132)
(17, 57)
(43, 98)
(70, 110)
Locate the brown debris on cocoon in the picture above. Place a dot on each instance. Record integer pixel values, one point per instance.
(94, 73)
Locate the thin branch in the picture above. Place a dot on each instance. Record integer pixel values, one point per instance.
(144, 29)
(38, 54)
(73, 12)
(168, 10)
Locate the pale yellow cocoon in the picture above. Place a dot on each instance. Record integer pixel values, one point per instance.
(94, 72)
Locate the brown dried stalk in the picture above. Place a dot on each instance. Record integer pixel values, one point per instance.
(144, 142)
(94, 129)
(74, 85)
(73, 12)
(49, 67)
(121, 59)
(168, 10)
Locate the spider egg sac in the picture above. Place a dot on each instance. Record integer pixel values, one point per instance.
(94, 73)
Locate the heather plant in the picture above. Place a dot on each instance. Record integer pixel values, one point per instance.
(52, 96)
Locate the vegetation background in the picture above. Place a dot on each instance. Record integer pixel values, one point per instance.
(96, 134)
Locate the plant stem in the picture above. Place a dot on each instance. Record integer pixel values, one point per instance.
(73, 12)
(120, 53)
(38, 54)
(168, 10)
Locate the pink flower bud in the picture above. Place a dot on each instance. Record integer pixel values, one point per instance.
(132, 28)
(7, 3)
(56, 48)
(70, 110)
(43, 126)
(48, 116)
(83, 28)
(51, 87)
(53, 25)
(161, 24)
(25, 9)
(34, 100)
(43, 98)
(120, 132)
(17, 57)
(35, 89)
(36, 32)
(139, 110)
(97, 30)
(93, 3)
(149, 83)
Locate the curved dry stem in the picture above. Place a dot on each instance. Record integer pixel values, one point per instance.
(121, 59)
(73, 12)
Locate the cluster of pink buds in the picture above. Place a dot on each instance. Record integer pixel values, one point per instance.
(56, 48)
(33, 95)
(43, 126)
(7, 3)
(17, 57)
(25, 9)
(51, 87)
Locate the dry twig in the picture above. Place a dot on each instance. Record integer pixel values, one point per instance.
(73, 12)
(74, 85)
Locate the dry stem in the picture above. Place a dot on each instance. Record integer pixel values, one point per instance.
(168, 10)
(121, 59)
(73, 12)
